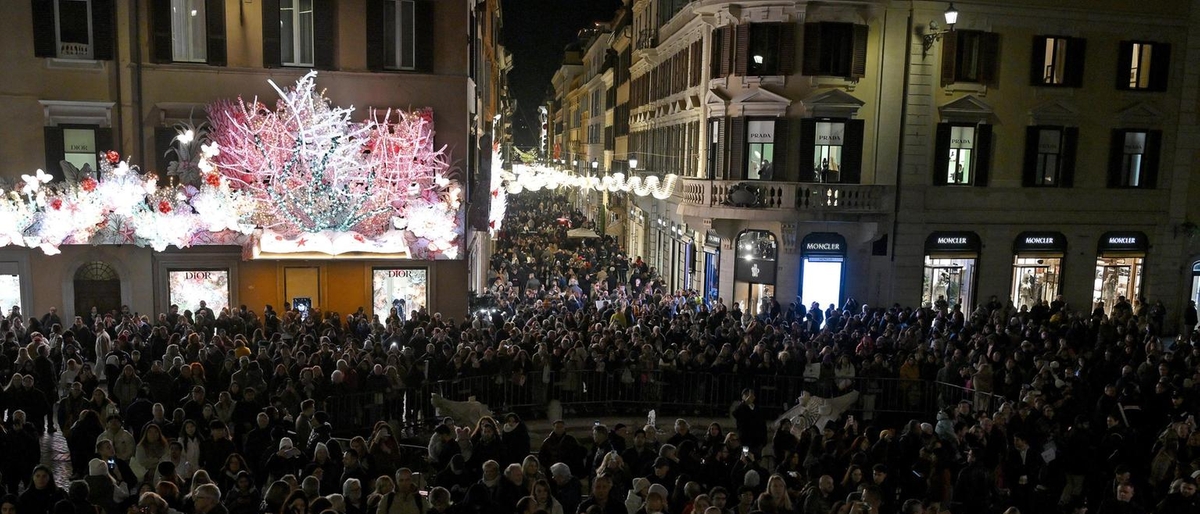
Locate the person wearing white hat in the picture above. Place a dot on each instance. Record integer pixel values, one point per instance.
(636, 497)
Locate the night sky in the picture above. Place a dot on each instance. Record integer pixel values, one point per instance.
(535, 31)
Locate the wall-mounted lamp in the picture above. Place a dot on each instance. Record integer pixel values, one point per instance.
(595, 164)
(927, 40)
(633, 163)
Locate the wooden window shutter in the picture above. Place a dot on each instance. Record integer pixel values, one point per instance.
(787, 49)
(858, 66)
(852, 150)
(941, 149)
(949, 59)
(104, 34)
(1037, 61)
(1066, 166)
(55, 150)
(726, 50)
(1124, 64)
(1116, 153)
(214, 26)
(719, 168)
(808, 140)
(324, 34)
(983, 154)
(1160, 66)
(426, 41)
(1029, 170)
(376, 35)
(45, 43)
(160, 31)
(272, 51)
(1150, 159)
(989, 58)
(741, 60)
(1076, 53)
(164, 138)
(737, 149)
(783, 144)
(104, 140)
(812, 50)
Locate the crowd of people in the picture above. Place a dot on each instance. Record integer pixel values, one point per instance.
(226, 411)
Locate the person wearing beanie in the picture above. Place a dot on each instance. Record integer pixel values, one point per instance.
(286, 460)
(103, 490)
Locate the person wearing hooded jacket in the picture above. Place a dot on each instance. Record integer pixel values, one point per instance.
(42, 494)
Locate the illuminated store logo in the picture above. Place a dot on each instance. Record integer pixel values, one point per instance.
(952, 240)
(823, 246)
(1039, 240)
(1122, 240)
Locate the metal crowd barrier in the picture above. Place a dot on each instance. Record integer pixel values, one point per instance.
(594, 393)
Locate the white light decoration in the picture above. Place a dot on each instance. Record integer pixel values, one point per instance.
(537, 177)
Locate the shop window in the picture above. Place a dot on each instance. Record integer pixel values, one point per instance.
(76, 145)
(970, 56)
(1143, 66)
(963, 153)
(835, 50)
(1133, 159)
(1057, 61)
(1117, 278)
(714, 146)
(1050, 156)
(835, 148)
(760, 151)
(1035, 279)
(74, 29)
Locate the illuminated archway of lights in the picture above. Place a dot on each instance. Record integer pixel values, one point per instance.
(525, 177)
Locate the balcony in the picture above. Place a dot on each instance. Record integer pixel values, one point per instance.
(749, 199)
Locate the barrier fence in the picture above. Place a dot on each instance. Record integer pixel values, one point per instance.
(598, 393)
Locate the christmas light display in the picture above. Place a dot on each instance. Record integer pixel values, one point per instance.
(536, 177)
(301, 178)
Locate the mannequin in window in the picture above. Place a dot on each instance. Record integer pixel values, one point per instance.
(823, 171)
(958, 174)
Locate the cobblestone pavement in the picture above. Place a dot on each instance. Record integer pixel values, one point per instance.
(55, 455)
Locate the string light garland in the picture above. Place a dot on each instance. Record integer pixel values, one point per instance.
(536, 177)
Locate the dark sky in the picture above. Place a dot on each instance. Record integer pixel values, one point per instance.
(535, 31)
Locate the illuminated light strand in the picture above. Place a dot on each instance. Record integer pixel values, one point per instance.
(536, 177)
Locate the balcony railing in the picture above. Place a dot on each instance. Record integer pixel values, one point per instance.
(849, 198)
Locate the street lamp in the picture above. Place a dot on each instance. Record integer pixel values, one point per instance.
(595, 164)
(927, 40)
(633, 163)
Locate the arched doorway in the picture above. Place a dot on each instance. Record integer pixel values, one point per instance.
(97, 285)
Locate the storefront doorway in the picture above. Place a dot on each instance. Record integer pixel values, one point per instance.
(822, 269)
(754, 271)
(712, 267)
(97, 285)
(1037, 267)
(951, 260)
(1120, 259)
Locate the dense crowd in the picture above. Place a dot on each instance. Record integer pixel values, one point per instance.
(224, 411)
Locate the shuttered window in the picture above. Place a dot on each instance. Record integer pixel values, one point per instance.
(970, 56)
(963, 154)
(1050, 156)
(1133, 158)
(74, 29)
(188, 31)
(1143, 66)
(831, 150)
(835, 50)
(300, 33)
(1057, 61)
